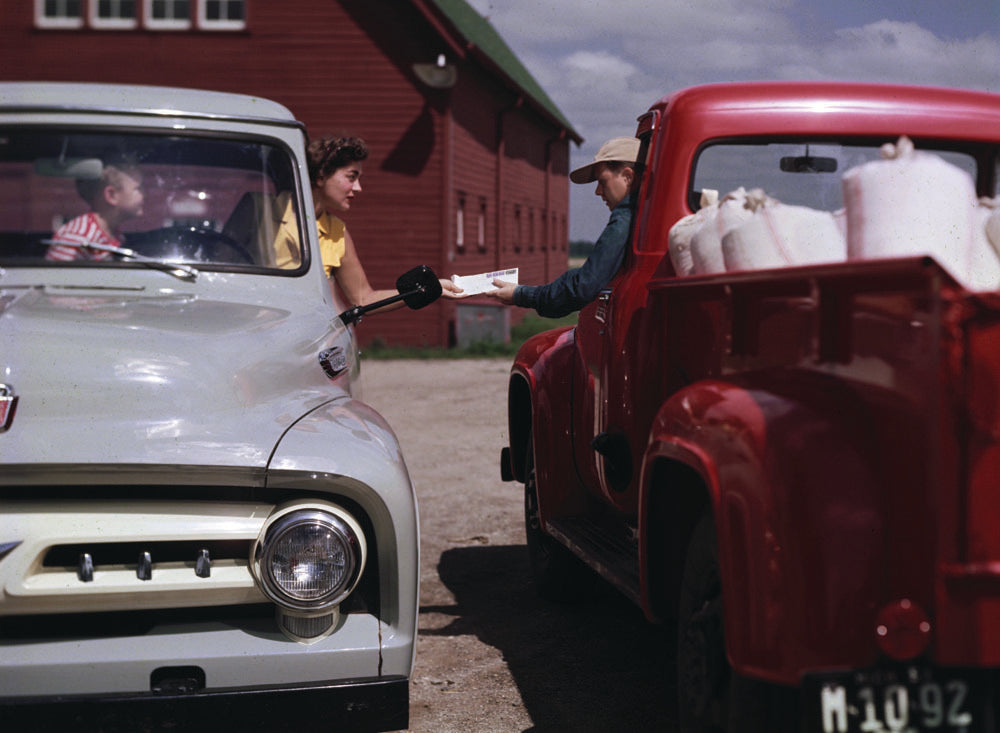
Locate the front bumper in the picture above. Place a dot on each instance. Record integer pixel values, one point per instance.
(230, 651)
(365, 704)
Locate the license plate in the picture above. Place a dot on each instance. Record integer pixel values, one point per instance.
(909, 699)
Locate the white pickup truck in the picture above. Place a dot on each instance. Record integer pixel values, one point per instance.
(198, 521)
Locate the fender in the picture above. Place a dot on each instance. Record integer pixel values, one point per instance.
(790, 471)
(373, 475)
(539, 395)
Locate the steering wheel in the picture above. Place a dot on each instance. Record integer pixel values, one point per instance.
(217, 238)
(191, 243)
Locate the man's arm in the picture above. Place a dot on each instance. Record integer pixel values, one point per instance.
(575, 288)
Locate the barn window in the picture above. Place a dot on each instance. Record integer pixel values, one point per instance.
(222, 14)
(58, 14)
(518, 228)
(112, 14)
(481, 227)
(460, 224)
(168, 14)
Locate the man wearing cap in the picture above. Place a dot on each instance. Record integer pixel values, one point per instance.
(614, 170)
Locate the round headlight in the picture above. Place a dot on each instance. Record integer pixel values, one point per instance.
(309, 559)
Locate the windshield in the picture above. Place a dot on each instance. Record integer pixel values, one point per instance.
(76, 197)
(798, 173)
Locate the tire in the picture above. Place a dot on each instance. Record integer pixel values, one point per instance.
(558, 574)
(710, 696)
(703, 673)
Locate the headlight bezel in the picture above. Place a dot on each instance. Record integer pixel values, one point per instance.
(295, 517)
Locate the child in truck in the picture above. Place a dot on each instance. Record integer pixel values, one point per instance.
(114, 197)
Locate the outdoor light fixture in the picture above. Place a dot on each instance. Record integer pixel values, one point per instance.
(439, 75)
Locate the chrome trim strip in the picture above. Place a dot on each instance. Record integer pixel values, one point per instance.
(76, 109)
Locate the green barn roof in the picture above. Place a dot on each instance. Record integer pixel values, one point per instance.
(482, 40)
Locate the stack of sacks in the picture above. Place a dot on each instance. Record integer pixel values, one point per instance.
(780, 235)
(696, 240)
(907, 204)
(913, 203)
(751, 231)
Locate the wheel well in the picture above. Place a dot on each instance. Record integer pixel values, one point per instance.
(677, 499)
(519, 424)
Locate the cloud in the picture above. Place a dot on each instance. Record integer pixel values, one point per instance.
(907, 53)
(604, 62)
(614, 21)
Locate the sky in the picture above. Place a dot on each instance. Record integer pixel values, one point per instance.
(604, 62)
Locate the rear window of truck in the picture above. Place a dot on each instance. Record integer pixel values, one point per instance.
(797, 173)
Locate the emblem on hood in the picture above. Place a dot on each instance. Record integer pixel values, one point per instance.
(333, 361)
(8, 404)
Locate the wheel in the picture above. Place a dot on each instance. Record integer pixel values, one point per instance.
(703, 673)
(558, 574)
(711, 697)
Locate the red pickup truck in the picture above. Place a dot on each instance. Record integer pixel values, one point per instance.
(785, 443)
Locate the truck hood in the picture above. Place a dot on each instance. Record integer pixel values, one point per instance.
(129, 377)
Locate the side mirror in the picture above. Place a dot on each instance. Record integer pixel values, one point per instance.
(417, 288)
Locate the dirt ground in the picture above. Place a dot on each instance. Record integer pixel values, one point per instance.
(491, 655)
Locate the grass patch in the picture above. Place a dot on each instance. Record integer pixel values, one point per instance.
(532, 324)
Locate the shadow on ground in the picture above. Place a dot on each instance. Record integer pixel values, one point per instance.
(593, 666)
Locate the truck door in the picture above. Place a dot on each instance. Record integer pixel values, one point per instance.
(605, 451)
(589, 412)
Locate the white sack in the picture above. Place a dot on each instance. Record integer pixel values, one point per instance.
(989, 215)
(913, 203)
(986, 245)
(781, 235)
(680, 234)
(706, 242)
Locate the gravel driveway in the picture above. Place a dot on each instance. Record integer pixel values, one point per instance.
(491, 655)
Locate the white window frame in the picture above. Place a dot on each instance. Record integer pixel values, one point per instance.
(65, 21)
(460, 224)
(167, 24)
(221, 25)
(117, 23)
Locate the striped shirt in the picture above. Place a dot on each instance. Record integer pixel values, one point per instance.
(84, 229)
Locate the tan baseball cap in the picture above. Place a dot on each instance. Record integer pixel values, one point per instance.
(617, 150)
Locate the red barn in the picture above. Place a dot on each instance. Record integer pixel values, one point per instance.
(469, 157)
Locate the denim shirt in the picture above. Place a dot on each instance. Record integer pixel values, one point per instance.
(575, 288)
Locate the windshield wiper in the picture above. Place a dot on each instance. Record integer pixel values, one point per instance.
(184, 272)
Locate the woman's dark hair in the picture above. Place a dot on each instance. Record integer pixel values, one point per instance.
(330, 153)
